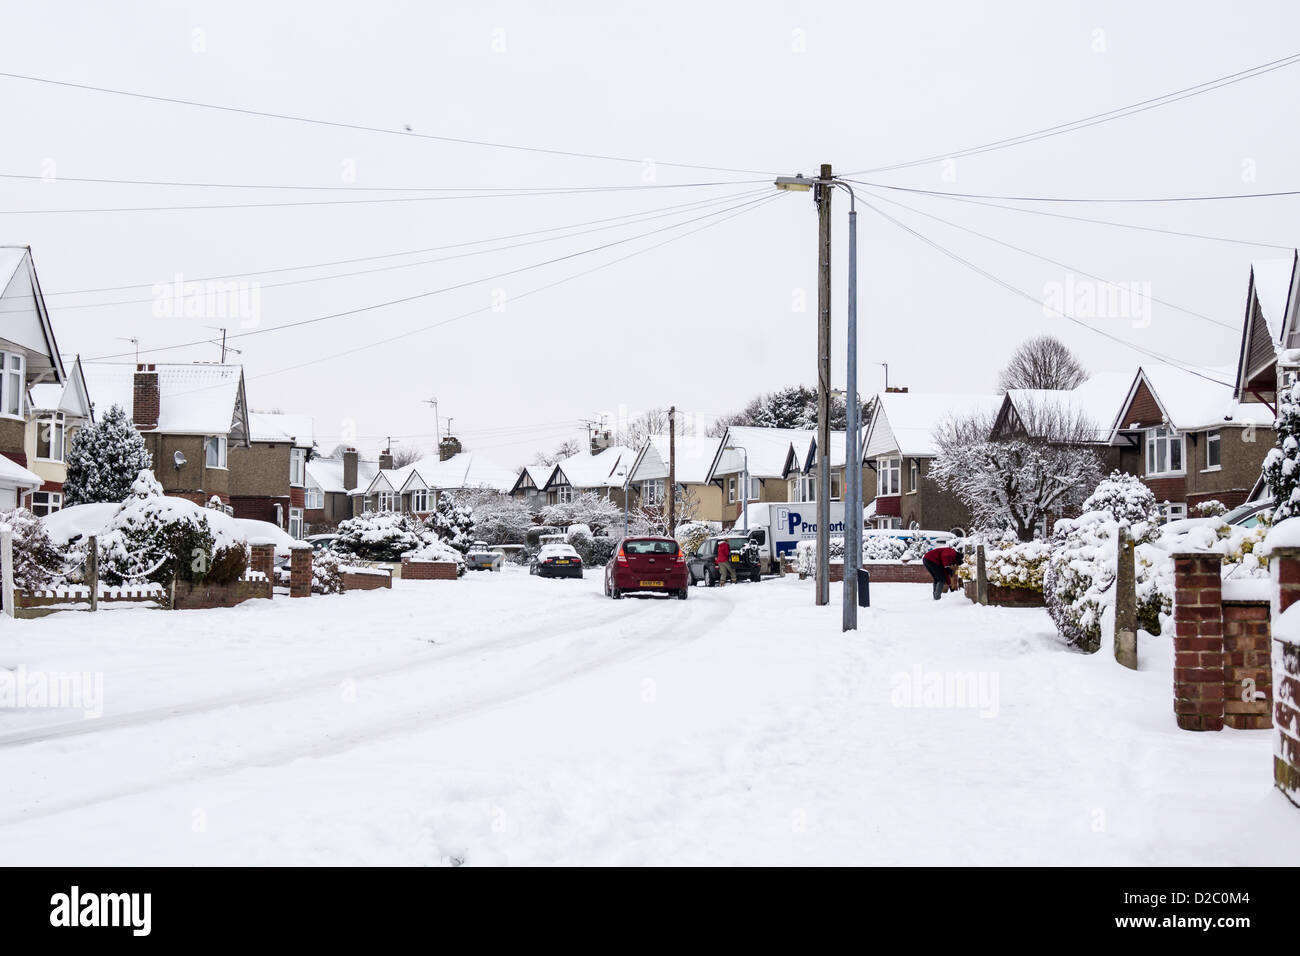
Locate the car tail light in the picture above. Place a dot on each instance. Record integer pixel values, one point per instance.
(577, 560)
(622, 558)
(681, 557)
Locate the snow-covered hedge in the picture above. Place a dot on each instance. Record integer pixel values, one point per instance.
(1010, 564)
(595, 550)
(452, 523)
(381, 535)
(37, 563)
(325, 575)
(691, 534)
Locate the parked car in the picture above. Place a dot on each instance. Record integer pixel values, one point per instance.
(321, 542)
(557, 561)
(482, 558)
(1251, 513)
(703, 565)
(647, 564)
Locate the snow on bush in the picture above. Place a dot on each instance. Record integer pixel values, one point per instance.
(501, 519)
(326, 578)
(1281, 467)
(37, 563)
(600, 514)
(381, 535)
(157, 538)
(1010, 564)
(691, 534)
(435, 550)
(452, 523)
(595, 550)
(1210, 509)
(104, 459)
(1125, 498)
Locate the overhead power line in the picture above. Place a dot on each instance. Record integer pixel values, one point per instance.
(359, 127)
(432, 292)
(1077, 199)
(1096, 118)
(1191, 370)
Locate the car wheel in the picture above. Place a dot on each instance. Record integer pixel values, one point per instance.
(684, 593)
(709, 579)
(616, 594)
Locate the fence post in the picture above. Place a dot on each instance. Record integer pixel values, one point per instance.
(7, 558)
(1126, 647)
(981, 577)
(92, 570)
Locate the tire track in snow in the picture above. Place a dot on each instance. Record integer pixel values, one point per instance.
(714, 612)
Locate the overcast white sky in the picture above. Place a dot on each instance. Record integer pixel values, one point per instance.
(703, 322)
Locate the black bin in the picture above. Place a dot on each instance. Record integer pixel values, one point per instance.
(864, 587)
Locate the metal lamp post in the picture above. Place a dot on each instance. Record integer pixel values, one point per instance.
(853, 466)
(744, 492)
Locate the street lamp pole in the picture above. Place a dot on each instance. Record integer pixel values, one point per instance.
(822, 186)
(744, 492)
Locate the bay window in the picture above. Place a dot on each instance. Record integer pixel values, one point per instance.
(889, 475)
(420, 500)
(806, 488)
(1164, 451)
(387, 501)
(50, 433)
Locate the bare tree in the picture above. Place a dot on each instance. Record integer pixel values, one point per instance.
(1015, 480)
(638, 429)
(1042, 362)
(566, 449)
(405, 455)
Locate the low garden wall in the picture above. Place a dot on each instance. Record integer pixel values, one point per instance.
(365, 579)
(428, 570)
(1007, 597)
(887, 572)
(193, 597)
(74, 597)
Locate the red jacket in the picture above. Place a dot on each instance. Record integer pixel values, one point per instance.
(944, 557)
(724, 552)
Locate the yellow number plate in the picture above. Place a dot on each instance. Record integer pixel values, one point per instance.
(652, 584)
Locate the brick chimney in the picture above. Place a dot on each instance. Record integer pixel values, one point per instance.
(145, 398)
(447, 447)
(386, 459)
(349, 469)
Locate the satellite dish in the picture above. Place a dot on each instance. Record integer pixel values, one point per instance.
(179, 459)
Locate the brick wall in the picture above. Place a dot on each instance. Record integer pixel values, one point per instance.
(300, 572)
(193, 597)
(428, 570)
(262, 558)
(353, 581)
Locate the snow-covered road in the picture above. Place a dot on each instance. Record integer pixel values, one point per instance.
(509, 719)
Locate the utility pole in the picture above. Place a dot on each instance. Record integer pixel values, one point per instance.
(823, 199)
(672, 471)
(437, 427)
(852, 456)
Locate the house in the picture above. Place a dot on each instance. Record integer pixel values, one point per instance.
(268, 476)
(648, 477)
(602, 472)
(415, 487)
(29, 359)
(190, 416)
(1085, 414)
(529, 484)
(55, 413)
(801, 470)
(1270, 327)
(330, 482)
(764, 453)
(1191, 439)
(898, 446)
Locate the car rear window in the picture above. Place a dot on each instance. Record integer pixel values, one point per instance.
(650, 547)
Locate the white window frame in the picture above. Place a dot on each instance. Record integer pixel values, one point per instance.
(313, 499)
(1214, 439)
(889, 475)
(13, 384)
(218, 442)
(913, 476)
(1163, 438)
(652, 492)
(837, 486)
(755, 488)
(387, 501)
(731, 490)
(52, 501)
(422, 503)
(805, 488)
(295, 522)
(297, 466)
(57, 423)
(564, 494)
(1172, 510)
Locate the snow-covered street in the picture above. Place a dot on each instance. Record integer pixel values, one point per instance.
(508, 719)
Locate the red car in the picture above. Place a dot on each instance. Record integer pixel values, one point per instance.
(647, 564)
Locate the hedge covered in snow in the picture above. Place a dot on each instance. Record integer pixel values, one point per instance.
(37, 563)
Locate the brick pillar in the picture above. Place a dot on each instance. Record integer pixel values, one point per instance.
(300, 571)
(1247, 673)
(1198, 641)
(1284, 565)
(263, 559)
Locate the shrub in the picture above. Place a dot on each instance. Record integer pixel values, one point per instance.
(595, 550)
(1019, 564)
(692, 534)
(1125, 498)
(1211, 509)
(325, 575)
(381, 535)
(452, 523)
(435, 550)
(535, 534)
(37, 563)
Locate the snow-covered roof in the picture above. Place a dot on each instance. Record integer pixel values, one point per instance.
(1097, 401)
(903, 423)
(279, 427)
(14, 475)
(27, 322)
(193, 398)
(327, 473)
(1189, 401)
(464, 470)
(768, 449)
(585, 470)
(1272, 281)
(806, 460)
(694, 458)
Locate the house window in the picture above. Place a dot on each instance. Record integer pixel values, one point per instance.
(46, 502)
(295, 522)
(1212, 446)
(913, 475)
(214, 449)
(755, 489)
(388, 501)
(420, 500)
(652, 492)
(837, 480)
(1164, 451)
(731, 490)
(314, 499)
(1171, 511)
(888, 475)
(11, 383)
(564, 494)
(50, 432)
(806, 488)
(297, 466)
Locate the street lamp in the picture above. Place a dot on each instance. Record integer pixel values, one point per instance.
(852, 527)
(744, 493)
